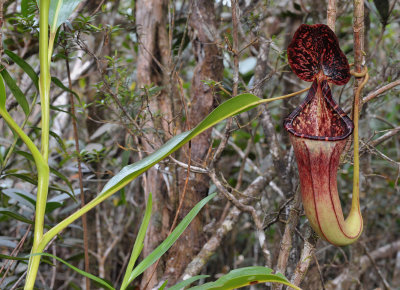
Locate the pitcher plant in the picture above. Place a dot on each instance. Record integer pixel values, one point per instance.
(319, 130)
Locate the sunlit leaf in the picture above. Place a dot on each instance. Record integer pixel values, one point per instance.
(23, 197)
(7, 242)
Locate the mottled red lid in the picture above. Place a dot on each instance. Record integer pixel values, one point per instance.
(315, 48)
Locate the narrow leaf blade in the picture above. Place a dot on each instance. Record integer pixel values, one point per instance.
(15, 215)
(2, 94)
(138, 246)
(59, 84)
(18, 258)
(25, 67)
(15, 90)
(170, 240)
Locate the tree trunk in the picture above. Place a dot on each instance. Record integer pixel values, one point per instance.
(152, 57)
(209, 67)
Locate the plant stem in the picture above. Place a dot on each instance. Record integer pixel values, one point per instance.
(44, 79)
(16, 138)
(358, 28)
(42, 166)
(331, 14)
(43, 182)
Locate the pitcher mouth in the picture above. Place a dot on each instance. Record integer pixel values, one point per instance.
(319, 117)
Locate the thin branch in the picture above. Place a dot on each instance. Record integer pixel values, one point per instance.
(276, 218)
(384, 137)
(380, 91)
(235, 48)
(192, 168)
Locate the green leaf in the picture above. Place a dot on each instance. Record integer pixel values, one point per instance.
(24, 7)
(15, 215)
(187, 282)
(170, 240)
(15, 90)
(86, 274)
(60, 11)
(138, 246)
(59, 84)
(3, 96)
(25, 67)
(246, 276)
(6, 257)
(163, 285)
(59, 140)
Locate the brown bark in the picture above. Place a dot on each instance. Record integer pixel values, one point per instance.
(209, 67)
(152, 56)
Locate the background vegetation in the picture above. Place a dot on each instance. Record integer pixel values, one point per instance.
(144, 71)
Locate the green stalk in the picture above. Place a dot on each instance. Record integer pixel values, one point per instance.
(44, 79)
(12, 147)
(43, 182)
(31, 146)
(42, 166)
